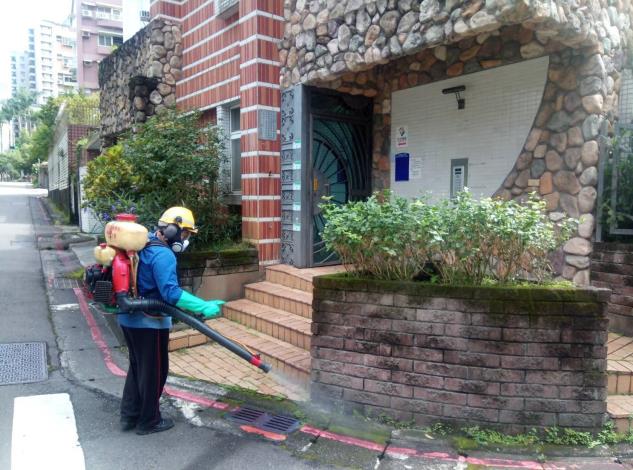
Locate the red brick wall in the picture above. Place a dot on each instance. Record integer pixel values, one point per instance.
(612, 267)
(490, 356)
(229, 60)
(75, 133)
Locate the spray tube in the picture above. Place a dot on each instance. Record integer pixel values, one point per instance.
(133, 305)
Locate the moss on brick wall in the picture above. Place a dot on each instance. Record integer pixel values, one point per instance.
(515, 358)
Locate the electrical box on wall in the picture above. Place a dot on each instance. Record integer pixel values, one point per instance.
(459, 175)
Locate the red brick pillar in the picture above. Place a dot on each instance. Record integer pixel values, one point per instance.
(166, 10)
(261, 23)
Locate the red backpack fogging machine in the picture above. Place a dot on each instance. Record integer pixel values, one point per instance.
(112, 282)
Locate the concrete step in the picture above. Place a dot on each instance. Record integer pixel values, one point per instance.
(620, 377)
(288, 327)
(620, 409)
(296, 278)
(280, 297)
(289, 361)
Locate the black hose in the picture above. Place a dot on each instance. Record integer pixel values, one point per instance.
(134, 305)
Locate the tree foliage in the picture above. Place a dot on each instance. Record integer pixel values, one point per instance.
(35, 145)
(167, 161)
(8, 167)
(19, 106)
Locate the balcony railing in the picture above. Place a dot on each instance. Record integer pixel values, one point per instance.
(83, 115)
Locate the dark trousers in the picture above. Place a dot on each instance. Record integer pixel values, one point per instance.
(149, 365)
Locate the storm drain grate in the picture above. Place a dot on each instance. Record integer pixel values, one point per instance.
(262, 420)
(22, 363)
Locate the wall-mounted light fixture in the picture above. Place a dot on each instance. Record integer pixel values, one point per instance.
(461, 102)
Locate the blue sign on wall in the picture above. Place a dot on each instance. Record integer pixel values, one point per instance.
(402, 167)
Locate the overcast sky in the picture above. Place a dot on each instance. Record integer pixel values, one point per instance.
(16, 18)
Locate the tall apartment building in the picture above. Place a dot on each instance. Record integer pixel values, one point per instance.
(230, 71)
(23, 77)
(99, 27)
(55, 59)
(23, 73)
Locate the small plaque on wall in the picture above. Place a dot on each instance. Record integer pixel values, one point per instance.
(402, 167)
(267, 129)
(402, 137)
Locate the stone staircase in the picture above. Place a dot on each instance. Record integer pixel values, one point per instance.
(620, 380)
(274, 319)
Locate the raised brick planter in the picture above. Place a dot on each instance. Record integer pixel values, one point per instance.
(612, 267)
(512, 358)
(219, 274)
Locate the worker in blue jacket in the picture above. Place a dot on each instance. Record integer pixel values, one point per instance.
(147, 335)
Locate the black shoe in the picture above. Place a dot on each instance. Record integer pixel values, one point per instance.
(127, 424)
(163, 425)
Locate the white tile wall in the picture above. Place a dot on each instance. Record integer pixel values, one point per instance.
(501, 105)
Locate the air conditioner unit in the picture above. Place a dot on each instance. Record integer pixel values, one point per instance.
(85, 34)
(226, 8)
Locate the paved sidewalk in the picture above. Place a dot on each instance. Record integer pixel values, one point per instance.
(213, 363)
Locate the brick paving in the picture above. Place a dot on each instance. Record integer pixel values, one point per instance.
(620, 364)
(620, 350)
(213, 363)
(620, 385)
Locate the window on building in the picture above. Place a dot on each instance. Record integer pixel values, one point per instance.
(86, 12)
(116, 14)
(109, 40)
(103, 13)
(236, 149)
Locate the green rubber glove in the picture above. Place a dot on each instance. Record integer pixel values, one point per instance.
(207, 308)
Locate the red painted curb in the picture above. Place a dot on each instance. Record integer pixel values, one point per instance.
(96, 334)
(273, 436)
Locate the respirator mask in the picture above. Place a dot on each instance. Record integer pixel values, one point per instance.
(174, 236)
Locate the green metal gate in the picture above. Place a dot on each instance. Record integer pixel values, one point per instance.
(340, 152)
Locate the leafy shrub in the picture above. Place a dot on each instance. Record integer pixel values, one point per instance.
(387, 238)
(167, 161)
(466, 241)
(109, 177)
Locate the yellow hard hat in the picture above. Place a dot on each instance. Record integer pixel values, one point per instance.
(180, 216)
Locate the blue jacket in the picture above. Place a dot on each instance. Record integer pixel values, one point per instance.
(157, 279)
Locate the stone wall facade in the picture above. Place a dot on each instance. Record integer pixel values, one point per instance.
(139, 78)
(377, 48)
(612, 267)
(324, 39)
(510, 358)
